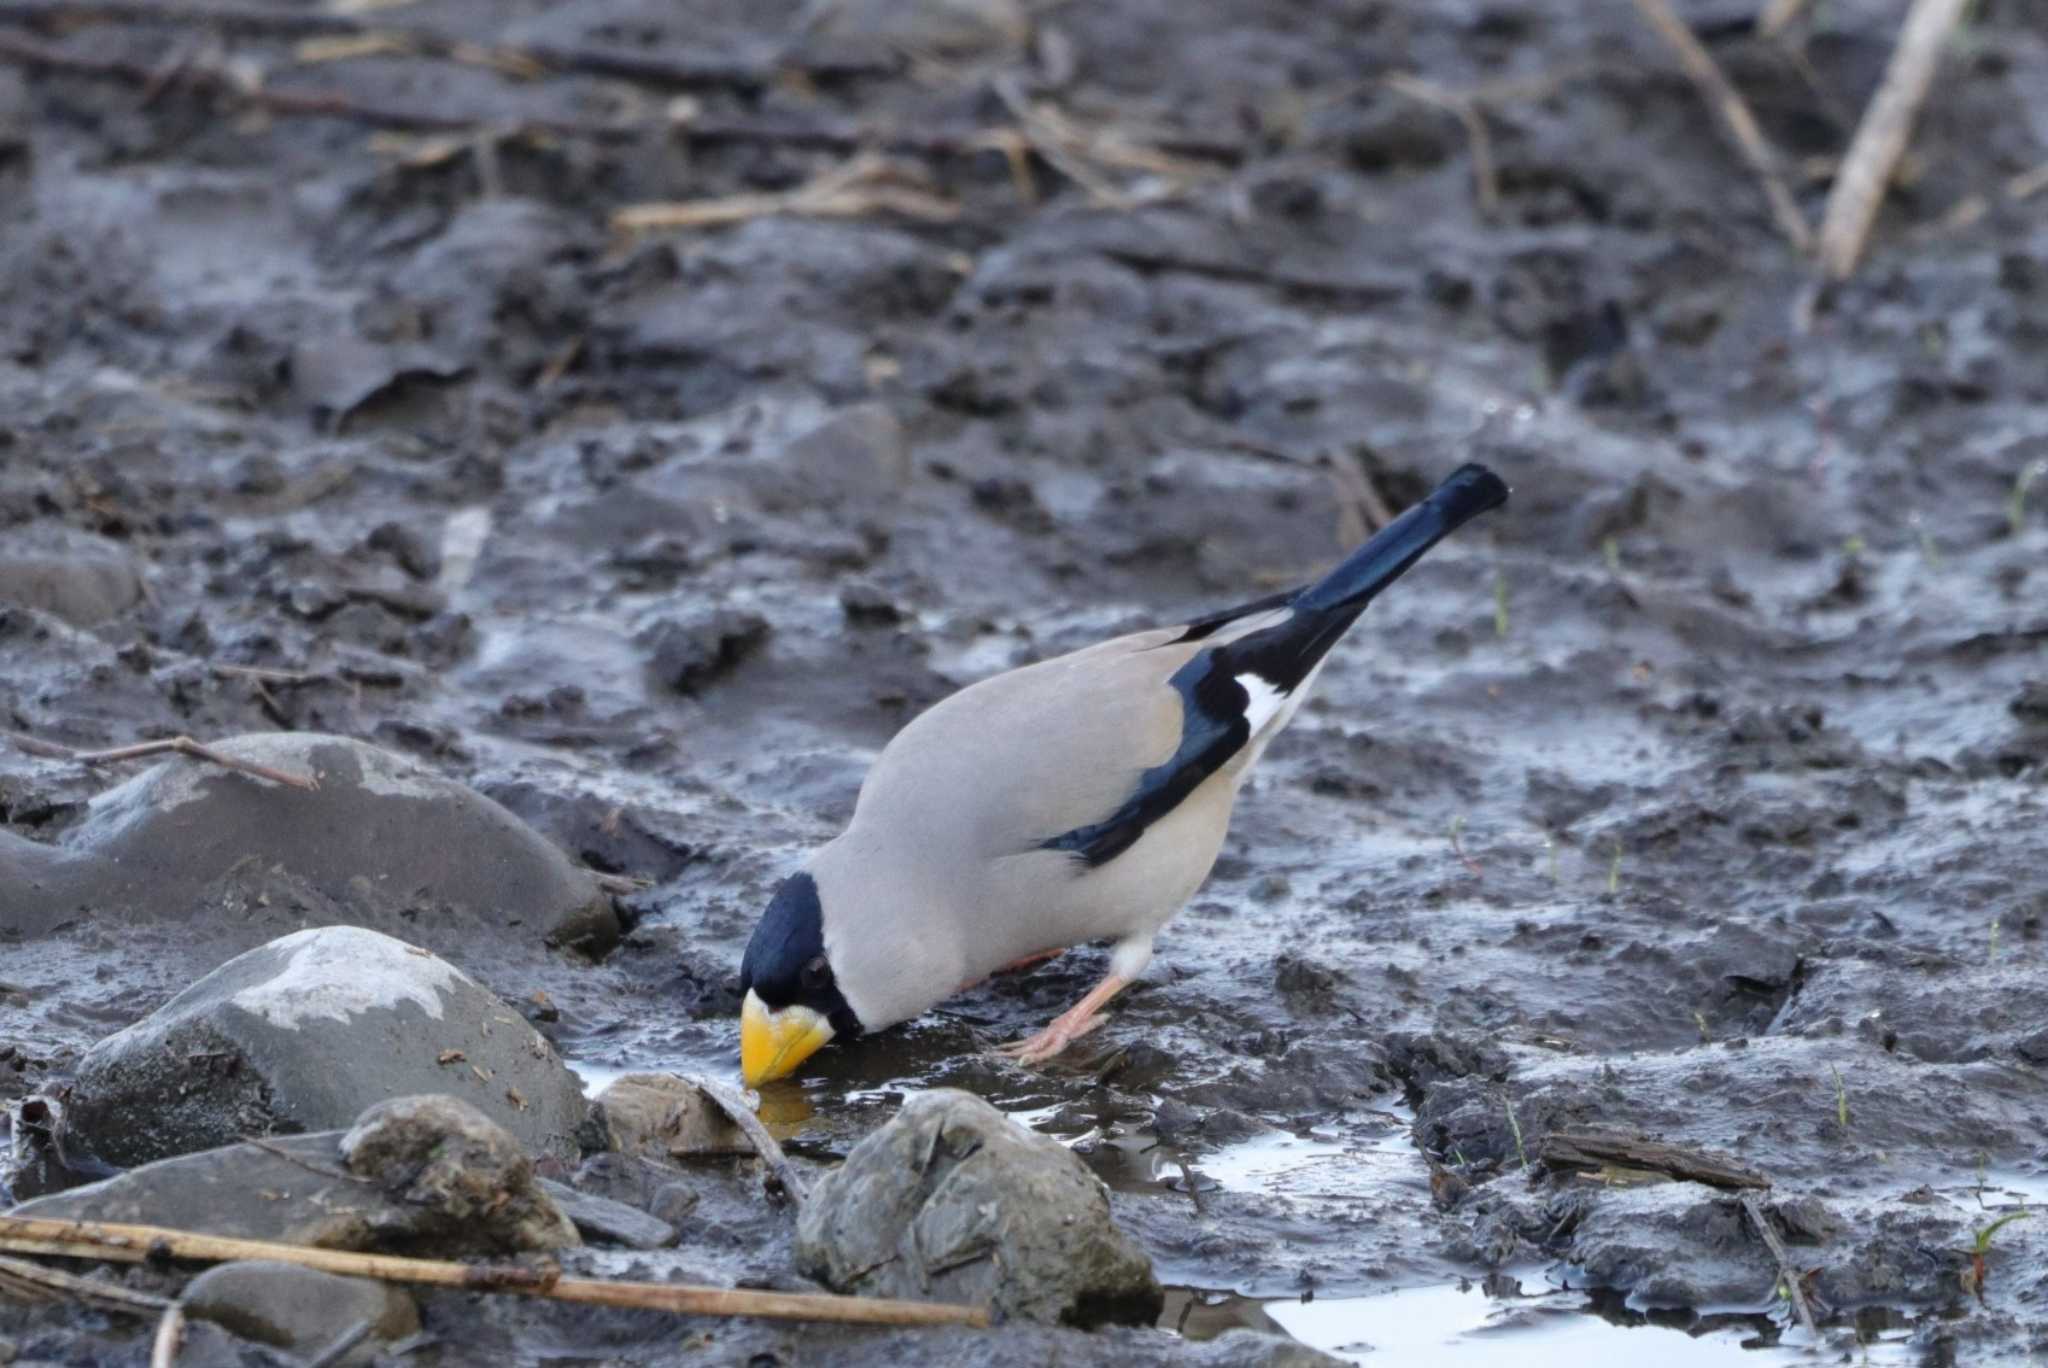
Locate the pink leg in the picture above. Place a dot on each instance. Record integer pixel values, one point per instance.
(1068, 1027)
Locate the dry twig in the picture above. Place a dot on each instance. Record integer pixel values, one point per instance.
(1734, 113)
(1778, 16)
(137, 1243)
(865, 185)
(28, 1281)
(1589, 1150)
(347, 35)
(1081, 151)
(1881, 136)
(338, 1348)
(821, 134)
(1485, 180)
(170, 1333)
(175, 745)
(1788, 1276)
(736, 1109)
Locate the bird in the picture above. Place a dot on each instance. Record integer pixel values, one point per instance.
(1078, 799)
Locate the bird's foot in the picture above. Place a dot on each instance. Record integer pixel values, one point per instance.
(1049, 1042)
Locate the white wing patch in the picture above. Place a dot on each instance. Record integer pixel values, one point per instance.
(1268, 707)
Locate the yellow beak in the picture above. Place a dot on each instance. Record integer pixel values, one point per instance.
(773, 1044)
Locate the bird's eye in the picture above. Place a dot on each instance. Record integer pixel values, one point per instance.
(817, 973)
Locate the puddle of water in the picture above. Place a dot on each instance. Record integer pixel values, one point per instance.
(1466, 1324)
(596, 1077)
(1318, 1167)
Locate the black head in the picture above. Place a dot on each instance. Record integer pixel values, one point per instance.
(785, 963)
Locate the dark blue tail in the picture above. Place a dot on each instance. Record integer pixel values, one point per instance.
(1470, 491)
(1284, 654)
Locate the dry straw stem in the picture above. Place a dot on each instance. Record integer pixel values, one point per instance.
(144, 750)
(137, 1243)
(1778, 16)
(741, 1115)
(332, 35)
(1734, 112)
(236, 86)
(25, 1281)
(170, 1333)
(1788, 1276)
(1083, 150)
(866, 185)
(1881, 136)
(1485, 179)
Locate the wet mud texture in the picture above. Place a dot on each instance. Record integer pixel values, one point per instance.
(1700, 794)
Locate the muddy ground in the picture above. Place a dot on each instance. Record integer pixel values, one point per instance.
(1697, 795)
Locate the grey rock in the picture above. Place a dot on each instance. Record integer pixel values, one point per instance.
(1626, 1239)
(692, 650)
(673, 1203)
(442, 1155)
(84, 586)
(298, 1308)
(604, 1221)
(233, 861)
(297, 1190)
(303, 1034)
(859, 452)
(337, 374)
(953, 1201)
(660, 1116)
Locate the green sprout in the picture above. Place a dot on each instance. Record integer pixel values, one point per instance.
(1841, 1099)
(2016, 502)
(1611, 550)
(1614, 872)
(1550, 847)
(1930, 553)
(1853, 546)
(1500, 603)
(1983, 1240)
(1973, 1277)
(1516, 1127)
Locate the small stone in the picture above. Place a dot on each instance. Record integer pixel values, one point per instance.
(867, 606)
(300, 1309)
(951, 1200)
(690, 652)
(443, 1156)
(660, 1116)
(858, 453)
(674, 1203)
(604, 1221)
(83, 580)
(412, 551)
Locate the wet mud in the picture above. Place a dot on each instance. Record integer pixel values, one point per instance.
(1698, 795)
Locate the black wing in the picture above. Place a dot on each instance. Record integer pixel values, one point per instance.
(1214, 700)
